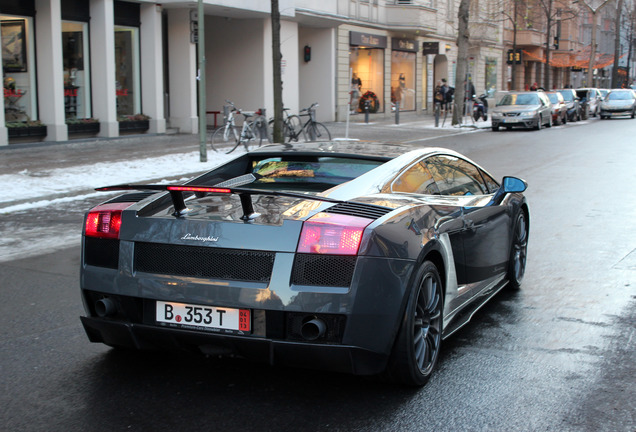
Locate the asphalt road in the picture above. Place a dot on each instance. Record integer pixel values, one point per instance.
(560, 354)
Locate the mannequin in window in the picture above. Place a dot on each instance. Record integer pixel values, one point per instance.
(356, 85)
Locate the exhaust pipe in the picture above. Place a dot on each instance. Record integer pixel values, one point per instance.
(313, 329)
(105, 307)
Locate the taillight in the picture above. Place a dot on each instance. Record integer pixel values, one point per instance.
(332, 234)
(105, 220)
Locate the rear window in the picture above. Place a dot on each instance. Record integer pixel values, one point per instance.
(315, 173)
(520, 99)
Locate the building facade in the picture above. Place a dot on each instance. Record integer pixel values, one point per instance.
(76, 68)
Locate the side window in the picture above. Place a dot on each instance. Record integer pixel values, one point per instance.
(490, 182)
(416, 179)
(455, 176)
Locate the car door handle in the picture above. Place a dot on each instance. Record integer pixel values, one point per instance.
(469, 224)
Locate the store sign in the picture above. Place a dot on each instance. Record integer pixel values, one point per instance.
(122, 92)
(70, 92)
(430, 48)
(367, 40)
(404, 45)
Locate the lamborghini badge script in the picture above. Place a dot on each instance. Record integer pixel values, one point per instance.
(189, 236)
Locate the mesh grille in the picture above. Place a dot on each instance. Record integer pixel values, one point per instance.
(324, 270)
(131, 197)
(101, 252)
(357, 209)
(204, 262)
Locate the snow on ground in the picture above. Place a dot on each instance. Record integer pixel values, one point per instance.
(38, 189)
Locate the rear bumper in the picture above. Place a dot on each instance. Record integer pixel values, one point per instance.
(338, 358)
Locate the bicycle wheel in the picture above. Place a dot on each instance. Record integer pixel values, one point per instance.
(224, 137)
(251, 137)
(316, 132)
(293, 127)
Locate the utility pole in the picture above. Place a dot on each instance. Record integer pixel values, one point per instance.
(203, 127)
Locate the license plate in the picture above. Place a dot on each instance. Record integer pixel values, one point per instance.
(220, 319)
(511, 120)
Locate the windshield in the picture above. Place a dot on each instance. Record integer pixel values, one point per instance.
(620, 95)
(553, 98)
(520, 99)
(311, 173)
(567, 96)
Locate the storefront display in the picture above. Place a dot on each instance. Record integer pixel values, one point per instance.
(491, 77)
(18, 69)
(127, 70)
(403, 69)
(366, 60)
(77, 89)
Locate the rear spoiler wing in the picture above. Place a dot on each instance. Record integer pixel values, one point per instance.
(245, 194)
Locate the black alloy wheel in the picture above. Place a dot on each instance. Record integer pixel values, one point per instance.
(518, 251)
(418, 343)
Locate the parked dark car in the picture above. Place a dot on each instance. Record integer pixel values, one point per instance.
(619, 102)
(559, 110)
(590, 101)
(350, 257)
(572, 104)
(531, 109)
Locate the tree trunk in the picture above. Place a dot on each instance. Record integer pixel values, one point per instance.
(278, 83)
(617, 45)
(463, 36)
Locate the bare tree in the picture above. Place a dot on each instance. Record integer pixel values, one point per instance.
(553, 12)
(617, 44)
(278, 82)
(463, 36)
(593, 11)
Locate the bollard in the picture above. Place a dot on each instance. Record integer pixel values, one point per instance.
(367, 104)
(397, 113)
(436, 115)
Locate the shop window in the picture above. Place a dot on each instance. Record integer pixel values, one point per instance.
(77, 88)
(18, 69)
(368, 66)
(403, 80)
(491, 77)
(127, 70)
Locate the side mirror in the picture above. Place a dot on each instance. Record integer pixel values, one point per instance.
(514, 185)
(508, 185)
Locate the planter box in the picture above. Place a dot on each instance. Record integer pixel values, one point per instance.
(83, 128)
(28, 131)
(134, 126)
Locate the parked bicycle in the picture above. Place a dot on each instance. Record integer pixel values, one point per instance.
(311, 130)
(291, 126)
(250, 134)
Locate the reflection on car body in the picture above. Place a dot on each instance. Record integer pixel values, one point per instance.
(353, 257)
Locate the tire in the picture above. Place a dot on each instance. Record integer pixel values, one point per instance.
(518, 251)
(633, 113)
(539, 123)
(476, 115)
(558, 121)
(495, 128)
(564, 120)
(220, 140)
(293, 127)
(253, 138)
(419, 340)
(316, 132)
(550, 121)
